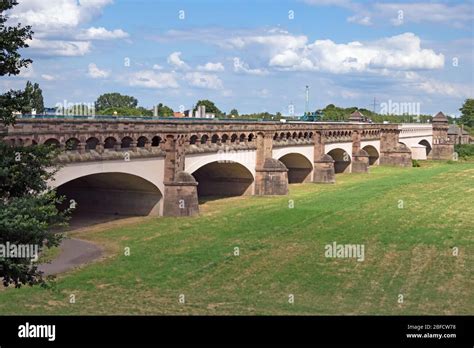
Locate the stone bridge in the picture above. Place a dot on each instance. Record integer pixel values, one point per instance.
(145, 167)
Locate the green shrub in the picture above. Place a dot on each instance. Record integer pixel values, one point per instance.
(464, 151)
(415, 163)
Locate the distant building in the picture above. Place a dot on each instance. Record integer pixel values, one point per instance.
(458, 135)
(178, 114)
(199, 113)
(357, 116)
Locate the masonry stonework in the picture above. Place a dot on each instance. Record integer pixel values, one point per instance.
(97, 141)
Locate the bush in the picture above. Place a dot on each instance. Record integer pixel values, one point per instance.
(415, 163)
(464, 151)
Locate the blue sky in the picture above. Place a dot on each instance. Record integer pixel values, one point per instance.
(252, 55)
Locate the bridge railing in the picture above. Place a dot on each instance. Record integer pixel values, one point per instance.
(408, 130)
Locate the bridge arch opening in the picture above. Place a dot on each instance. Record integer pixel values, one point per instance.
(373, 154)
(427, 146)
(108, 195)
(141, 141)
(299, 167)
(155, 141)
(109, 143)
(223, 179)
(91, 143)
(72, 144)
(126, 142)
(50, 142)
(342, 160)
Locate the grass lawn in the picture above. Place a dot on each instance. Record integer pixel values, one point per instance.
(408, 251)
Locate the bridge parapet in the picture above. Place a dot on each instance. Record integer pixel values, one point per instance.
(410, 130)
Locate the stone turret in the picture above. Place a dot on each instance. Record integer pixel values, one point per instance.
(443, 146)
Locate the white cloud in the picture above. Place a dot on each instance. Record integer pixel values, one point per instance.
(57, 25)
(360, 19)
(174, 59)
(201, 80)
(27, 72)
(242, 67)
(60, 48)
(211, 67)
(58, 15)
(96, 73)
(152, 79)
(433, 86)
(101, 34)
(398, 13)
(48, 77)
(400, 52)
(157, 67)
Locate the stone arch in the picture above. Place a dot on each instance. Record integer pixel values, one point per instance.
(242, 138)
(251, 136)
(204, 138)
(427, 145)
(142, 141)
(111, 194)
(49, 142)
(91, 143)
(223, 178)
(126, 142)
(373, 154)
(110, 142)
(342, 160)
(214, 139)
(233, 138)
(225, 137)
(299, 167)
(72, 144)
(156, 141)
(193, 139)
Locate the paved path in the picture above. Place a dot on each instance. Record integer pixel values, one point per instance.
(73, 253)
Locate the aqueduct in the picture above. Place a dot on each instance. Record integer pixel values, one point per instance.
(160, 167)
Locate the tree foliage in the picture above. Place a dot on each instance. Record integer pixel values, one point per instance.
(210, 107)
(115, 100)
(33, 99)
(126, 111)
(467, 113)
(12, 38)
(164, 111)
(28, 209)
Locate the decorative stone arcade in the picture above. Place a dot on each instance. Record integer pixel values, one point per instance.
(166, 154)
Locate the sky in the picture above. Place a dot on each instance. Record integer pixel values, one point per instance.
(254, 56)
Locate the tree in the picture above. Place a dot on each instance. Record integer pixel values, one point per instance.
(164, 111)
(126, 111)
(12, 38)
(233, 112)
(115, 100)
(33, 97)
(28, 208)
(467, 113)
(210, 107)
